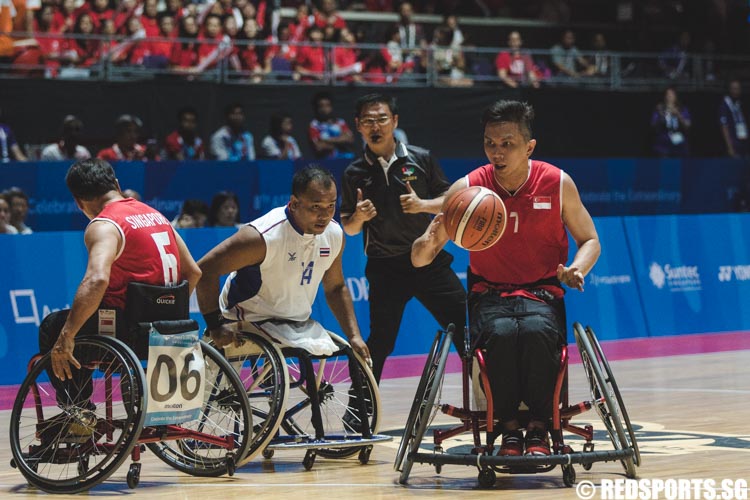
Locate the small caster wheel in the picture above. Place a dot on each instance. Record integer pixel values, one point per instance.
(134, 475)
(13, 463)
(587, 466)
(487, 478)
(231, 465)
(268, 453)
(309, 459)
(569, 475)
(364, 455)
(438, 468)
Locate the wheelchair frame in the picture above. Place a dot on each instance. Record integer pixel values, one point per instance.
(606, 400)
(308, 418)
(227, 393)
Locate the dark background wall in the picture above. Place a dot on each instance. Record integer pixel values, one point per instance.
(570, 122)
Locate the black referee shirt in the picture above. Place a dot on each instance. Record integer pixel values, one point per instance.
(392, 232)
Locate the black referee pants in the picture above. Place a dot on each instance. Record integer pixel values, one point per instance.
(393, 282)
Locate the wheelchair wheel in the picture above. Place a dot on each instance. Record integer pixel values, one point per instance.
(226, 412)
(606, 397)
(337, 400)
(616, 391)
(425, 406)
(72, 440)
(263, 372)
(416, 404)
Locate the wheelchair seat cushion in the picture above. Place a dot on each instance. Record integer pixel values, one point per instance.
(308, 335)
(156, 303)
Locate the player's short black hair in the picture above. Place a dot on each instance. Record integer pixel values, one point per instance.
(510, 111)
(370, 99)
(89, 179)
(312, 173)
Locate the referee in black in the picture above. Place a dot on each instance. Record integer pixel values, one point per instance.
(391, 193)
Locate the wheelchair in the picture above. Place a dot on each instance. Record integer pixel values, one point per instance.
(324, 405)
(70, 439)
(605, 400)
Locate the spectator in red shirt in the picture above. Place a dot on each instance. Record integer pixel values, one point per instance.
(185, 51)
(84, 51)
(126, 147)
(328, 15)
(184, 143)
(516, 67)
(98, 10)
(211, 48)
(346, 64)
(160, 49)
(150, 18)
(247, 57)
(281, 55)
(64, 17)
(133, 49)
(303, 21)
(310, 63)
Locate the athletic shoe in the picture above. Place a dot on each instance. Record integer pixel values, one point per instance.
(352, 423)
(512, 444)
(73, 425)
(537, 442)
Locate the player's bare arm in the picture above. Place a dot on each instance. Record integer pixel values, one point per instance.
(188, 267)
(581, 227)
(103, 242)
(244, 248)
(340, 301)
(426, 247)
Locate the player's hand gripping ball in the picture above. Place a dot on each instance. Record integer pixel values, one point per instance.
(475, 218)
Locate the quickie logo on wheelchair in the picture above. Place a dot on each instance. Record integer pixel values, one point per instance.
(176, 371)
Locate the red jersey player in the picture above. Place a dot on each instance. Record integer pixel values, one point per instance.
(126, 241)
(515, 296)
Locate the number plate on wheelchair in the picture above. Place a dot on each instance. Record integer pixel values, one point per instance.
(174, 378)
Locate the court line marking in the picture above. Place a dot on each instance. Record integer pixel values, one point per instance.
(684, 389)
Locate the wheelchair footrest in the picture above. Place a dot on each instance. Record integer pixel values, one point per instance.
(334, 441)
(522, 461)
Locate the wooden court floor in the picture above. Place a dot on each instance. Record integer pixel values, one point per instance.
(691, 414)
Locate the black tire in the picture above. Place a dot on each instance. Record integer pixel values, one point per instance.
(618, 397)
(426, 407)
(226, 411)
(432, 357)
(263, 372)
(336, 401)
(609, 407)
(50, 452)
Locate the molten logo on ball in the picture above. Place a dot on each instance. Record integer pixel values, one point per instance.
(475, 218)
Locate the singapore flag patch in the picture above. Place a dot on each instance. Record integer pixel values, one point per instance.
(543, 202)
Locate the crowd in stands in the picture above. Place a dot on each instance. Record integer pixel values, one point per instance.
(72, 38)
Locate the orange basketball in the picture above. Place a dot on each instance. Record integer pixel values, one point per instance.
(475, 218)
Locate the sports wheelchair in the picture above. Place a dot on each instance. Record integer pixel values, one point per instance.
(69, 436)
(325, 405)
(605, 399)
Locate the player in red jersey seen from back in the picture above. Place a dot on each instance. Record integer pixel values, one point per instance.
(515, 300)
(127, 241)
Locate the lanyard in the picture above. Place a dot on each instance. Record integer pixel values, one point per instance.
(734, 108)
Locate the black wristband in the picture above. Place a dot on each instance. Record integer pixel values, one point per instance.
(214, 319)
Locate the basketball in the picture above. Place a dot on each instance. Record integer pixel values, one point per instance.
(475, 218)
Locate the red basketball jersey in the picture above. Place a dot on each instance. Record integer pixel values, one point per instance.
(535, 240)
(149, 253)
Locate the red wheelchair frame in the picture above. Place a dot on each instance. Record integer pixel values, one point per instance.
(606, 400)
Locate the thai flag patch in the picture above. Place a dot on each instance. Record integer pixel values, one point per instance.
(543, 202)
(325, 251)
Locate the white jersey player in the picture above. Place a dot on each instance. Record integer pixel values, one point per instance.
(276, 263)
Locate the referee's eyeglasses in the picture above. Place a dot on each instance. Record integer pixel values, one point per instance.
(370, 122)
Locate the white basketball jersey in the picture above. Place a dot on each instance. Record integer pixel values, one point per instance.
(285, 284)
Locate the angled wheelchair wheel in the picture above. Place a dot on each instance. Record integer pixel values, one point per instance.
(432, 357)
(70, 440)
(339, 400)
(263, 372)
(225, 417)
(616, 392)
(424, 406)
(606, 397)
